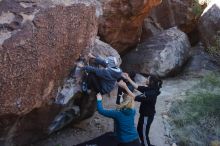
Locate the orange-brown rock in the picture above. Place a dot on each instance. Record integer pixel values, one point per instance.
(39, 43)
(41, 53)
(184, 14)
(121, 22)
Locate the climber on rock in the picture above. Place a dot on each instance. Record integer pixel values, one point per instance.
(102, 80)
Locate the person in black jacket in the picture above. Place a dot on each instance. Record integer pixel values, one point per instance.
(148, 99)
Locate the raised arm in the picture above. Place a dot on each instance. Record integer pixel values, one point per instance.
(123, 85)
(105, 112)
(142, 97)
(126, 76)
(147, 94)
(98, 60)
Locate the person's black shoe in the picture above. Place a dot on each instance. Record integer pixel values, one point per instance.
(84, 87)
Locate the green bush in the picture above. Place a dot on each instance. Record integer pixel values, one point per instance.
(197, 118)
(197, 8)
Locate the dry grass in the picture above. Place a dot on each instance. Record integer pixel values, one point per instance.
(197, 117)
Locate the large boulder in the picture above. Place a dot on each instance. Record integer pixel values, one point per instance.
(39, 43)
(183, 14)
(104, 50)
(209, 28)
(121, 22)
(162, 55)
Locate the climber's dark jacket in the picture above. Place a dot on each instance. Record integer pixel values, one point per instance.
(107, 75)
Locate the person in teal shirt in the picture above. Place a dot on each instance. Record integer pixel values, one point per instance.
(124, 116)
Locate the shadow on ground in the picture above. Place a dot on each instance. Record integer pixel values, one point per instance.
(106, 139)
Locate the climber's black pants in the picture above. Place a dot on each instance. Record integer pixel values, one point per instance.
(143, 128)
(94, 83)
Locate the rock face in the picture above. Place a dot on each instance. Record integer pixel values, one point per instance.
(150, 28)
(162, 55)
(39, 43)
(121, 22)
(209, 28)
(183, 14)
(102, 49)
(200, 62)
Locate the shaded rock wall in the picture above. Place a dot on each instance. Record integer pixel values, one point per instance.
(209, 28)
(181, 13)
(175, 13)
(121, 22)
(40, 41)
(200, 62)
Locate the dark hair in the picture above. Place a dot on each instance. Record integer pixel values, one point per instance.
(155, 82)
(132, 75)
(145, 75)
